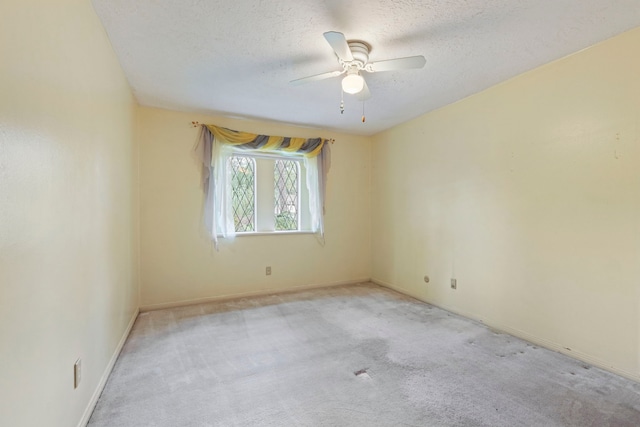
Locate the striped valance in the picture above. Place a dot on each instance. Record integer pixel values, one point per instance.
(309, 147)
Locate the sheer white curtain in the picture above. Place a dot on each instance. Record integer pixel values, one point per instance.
(218, 213)
(222, 206)
(317, 169)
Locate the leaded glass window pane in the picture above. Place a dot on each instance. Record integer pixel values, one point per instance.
(287, 194)
(243, 194)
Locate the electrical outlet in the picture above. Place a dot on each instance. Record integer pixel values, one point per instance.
(77, 373)
(454, 284)
(268, 271)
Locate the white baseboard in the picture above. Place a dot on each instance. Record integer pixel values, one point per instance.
(160, 306)
(105, 375)
(397, 289)
(542, 342)
(584, 357)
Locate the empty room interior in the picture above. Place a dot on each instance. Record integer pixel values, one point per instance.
(303, 212)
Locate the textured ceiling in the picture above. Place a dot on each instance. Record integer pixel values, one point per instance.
(236, 58)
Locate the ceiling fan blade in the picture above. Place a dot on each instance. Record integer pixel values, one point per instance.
(316, 77)
(397, 64)
(364, 94)
(339, 44)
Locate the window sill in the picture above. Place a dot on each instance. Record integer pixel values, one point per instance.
(273, 233)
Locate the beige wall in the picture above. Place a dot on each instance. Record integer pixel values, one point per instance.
(178, 262)
(67, 209)
(529, 194)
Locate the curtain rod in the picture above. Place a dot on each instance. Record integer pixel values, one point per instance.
(196, 124)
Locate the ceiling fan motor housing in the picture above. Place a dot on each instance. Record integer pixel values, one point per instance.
(360, 52)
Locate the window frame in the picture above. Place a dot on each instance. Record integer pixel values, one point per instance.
(298, 166)
(255, 189)
(303, 196)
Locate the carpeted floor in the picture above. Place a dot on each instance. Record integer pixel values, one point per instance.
(348, 356)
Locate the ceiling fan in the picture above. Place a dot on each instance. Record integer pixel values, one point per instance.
(353, 56)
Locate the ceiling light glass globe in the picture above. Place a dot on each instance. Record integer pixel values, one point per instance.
(353, 83)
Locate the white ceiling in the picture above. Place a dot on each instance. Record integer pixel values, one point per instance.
(236, 58)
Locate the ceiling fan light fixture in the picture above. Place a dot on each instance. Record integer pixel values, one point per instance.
(353, 83)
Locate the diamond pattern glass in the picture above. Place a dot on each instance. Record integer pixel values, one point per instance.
(286, 193)
(243, 195)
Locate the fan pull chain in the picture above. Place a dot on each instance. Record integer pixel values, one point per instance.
(341, 101)
(363, 117)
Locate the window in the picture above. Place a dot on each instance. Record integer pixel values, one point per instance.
(243, 192)
(287, 189)
(251, 194)
(266, 194)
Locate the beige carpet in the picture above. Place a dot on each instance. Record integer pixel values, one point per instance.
(348, 356)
